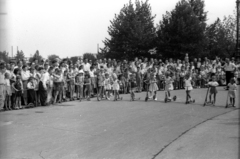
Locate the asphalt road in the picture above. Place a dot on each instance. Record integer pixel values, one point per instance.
(105, 129)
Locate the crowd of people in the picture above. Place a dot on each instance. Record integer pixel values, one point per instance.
(42, 83)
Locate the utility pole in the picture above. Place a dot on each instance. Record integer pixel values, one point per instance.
(12, 51)
(97, 48)
(237, 53)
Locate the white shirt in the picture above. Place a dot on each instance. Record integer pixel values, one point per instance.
(7, 82)
(213, 83)
(2, 77)
(229, 67)
(86, 66)
(188, 82)
(91, 73)
(25, 75)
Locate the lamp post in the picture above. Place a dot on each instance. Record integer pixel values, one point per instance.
(237, 54)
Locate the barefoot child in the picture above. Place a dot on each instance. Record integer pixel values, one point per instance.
(153, 88)
(213, 90)
(107, 86)
(168, 87)
(188, 88)
(232, 92)
(133, 86)
(18, 87)
(31, 92)
(116, 88)
(87, 84)
(8, 92)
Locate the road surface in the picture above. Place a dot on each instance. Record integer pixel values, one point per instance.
(107, 129)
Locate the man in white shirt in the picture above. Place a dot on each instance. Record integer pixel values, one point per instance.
(86, 66)
(25, 75)
(229, 68)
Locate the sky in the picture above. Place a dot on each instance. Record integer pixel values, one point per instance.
(73, 27)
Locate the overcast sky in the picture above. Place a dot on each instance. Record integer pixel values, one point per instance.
(73, 27)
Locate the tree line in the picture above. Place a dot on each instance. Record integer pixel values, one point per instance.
(51, 58)
(183, 30)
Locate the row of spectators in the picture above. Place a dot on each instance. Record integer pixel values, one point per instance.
(43, 83)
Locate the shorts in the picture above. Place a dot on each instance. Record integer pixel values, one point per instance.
(57, 86)
(232, 94)
(213, 90)
(188, 88)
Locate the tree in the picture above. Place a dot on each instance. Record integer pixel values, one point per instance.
(132, 32)
(4, 56)
(36, 56)
(221, 37)
(20, 55)
(89, 56)
(183, 30)
(74, 59)
(53, 57)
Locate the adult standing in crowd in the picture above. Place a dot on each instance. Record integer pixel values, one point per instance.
(25, 74)
(229, 67)
(2, 84)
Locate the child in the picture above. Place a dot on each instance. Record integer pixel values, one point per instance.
(232, 92)
(65, 85)
(133, 86)
(87, 83)
(139, 79)
(50, 86)
(126, 75)
(31, 92)
(57, 81)
(238, 75)
(121, 84)
(71, 83)
(213, 90)
(188, 88)
(168, 87)
(80, 83)
(93, 80)
(116, 88)
(182, 74)
(107, 86)
(153, 88)
(100, 79)
(18, 87)
(8, 92)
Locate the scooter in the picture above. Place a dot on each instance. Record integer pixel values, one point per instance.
(167, 99)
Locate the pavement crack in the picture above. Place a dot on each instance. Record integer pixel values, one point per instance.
(154, 156)
(40, 154)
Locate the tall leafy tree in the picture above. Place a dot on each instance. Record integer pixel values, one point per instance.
(36, 56)
(89, 56)
(221, 37)
(132, 32)
(20, 55)
(52, 58)
(182, 30)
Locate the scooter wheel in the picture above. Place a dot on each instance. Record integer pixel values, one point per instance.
(146, 99)
(165, 100)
